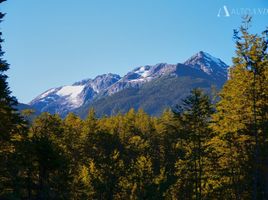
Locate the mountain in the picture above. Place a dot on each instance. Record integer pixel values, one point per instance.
(212, 66)
(67, 98)
(150, 87)
(22, 106)
(139, 76)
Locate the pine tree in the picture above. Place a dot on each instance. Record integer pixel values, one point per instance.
(48, 163)
(90, 125)
(194, 115)
(242, 117)
(9, 117)
(103, 163)
(10, 122)
(72, 144)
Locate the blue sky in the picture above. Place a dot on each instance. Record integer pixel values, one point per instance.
(57, 42)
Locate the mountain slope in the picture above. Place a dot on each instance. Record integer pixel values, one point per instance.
(66, 98)
(154, 96)
(139, 76)
(151, 87)
(208, 64)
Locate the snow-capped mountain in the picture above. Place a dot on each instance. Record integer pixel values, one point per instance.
(68, 98)
(208, 64)
(141, 75)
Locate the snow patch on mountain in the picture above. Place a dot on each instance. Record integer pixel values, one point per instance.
(95, 88)
(141, 75)
(47, 93)
(72, 91)
(72, 94)
(143, 71)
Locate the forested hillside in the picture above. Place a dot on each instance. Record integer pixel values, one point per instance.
(153, 97)
(196, 150)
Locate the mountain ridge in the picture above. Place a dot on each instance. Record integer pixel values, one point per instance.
(70, 98)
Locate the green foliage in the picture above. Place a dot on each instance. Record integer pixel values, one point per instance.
(241, 121)
(12, 130)
(195, 151)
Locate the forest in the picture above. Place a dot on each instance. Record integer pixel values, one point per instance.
(204, 148)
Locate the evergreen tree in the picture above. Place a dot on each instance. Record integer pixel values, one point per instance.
(90, 125)
(48, 163)
(72, 144)
(8, 114)
(194, 115)
(103, 164)
(241, 120)
(10, 132)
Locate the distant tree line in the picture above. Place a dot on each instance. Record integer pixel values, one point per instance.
(198, 150)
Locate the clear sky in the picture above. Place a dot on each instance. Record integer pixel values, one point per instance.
(57, 42)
